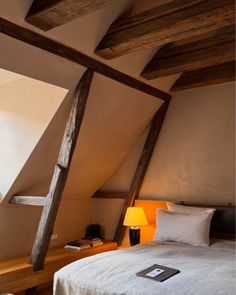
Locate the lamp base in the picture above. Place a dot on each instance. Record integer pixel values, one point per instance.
(134, 236)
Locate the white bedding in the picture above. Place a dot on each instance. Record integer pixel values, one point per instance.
(203, 271)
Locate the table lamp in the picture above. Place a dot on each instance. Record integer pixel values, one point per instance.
(134, 218)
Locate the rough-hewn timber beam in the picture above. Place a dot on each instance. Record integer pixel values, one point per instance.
(50, 14)
(196, 54)
(177, 20)
(205, 77)
(28, 200)
(141, 167)
(15, 31)
(110, 195)
(50, 209)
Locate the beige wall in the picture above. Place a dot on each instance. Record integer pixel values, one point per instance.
(194, 159)
(26, 108)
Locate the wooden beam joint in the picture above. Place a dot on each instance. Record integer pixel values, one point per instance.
(32, 38)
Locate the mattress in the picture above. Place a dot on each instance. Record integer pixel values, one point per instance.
(203, 271)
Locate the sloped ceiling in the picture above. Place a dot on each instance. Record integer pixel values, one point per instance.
(104, 140)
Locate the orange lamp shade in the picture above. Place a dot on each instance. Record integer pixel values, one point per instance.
(135, 216)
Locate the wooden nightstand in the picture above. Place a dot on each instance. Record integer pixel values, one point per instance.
(17, 274)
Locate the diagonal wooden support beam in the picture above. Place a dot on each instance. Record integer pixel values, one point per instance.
(142, 167)
(25, 35)
(50, 209)
(49, 14)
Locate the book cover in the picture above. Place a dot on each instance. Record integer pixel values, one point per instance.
(158, 272)
(78, 244)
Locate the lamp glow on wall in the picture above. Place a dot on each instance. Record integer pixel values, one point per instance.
(134, 218)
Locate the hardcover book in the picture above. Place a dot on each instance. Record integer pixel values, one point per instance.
(158, 272)
(78, 245)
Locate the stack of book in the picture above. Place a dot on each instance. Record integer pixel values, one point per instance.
(84, 243)
(92, 241)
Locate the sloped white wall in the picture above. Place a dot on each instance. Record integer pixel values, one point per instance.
(26, 108)
(194, 159)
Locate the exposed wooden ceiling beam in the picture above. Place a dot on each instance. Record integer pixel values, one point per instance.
(205, 77)
(170, 22)
(15, 31)
(49, 14)
(177, 57)
(28, 200)
(110, 195)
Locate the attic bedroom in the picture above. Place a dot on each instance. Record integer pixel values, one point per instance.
(117, 155)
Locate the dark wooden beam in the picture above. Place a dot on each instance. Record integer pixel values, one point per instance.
(28, 200)
(141, 168)
(110, 195)
(196, 54)
(50, 209)
(49, 14)
(15, 31)
(205, 77)
(170, 22)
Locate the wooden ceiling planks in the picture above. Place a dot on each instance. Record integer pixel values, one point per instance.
(49, 14)
(194, 54)
(206, 76)
(167, 23)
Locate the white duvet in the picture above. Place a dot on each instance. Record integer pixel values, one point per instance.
(203, 270)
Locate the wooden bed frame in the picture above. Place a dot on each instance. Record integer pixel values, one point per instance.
(222, 224)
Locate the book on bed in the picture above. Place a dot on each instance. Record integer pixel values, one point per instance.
(158, 272)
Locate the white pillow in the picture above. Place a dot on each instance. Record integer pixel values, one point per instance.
(186, 228)
(187, 209)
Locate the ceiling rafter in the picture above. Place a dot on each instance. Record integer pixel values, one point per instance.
(166, 23)
(177, 57)
(49, 14)
(205, 77)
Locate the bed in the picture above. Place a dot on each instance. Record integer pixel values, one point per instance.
(203, 270)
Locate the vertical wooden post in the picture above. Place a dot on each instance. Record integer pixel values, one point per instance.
(53, 198)
(141, 167)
